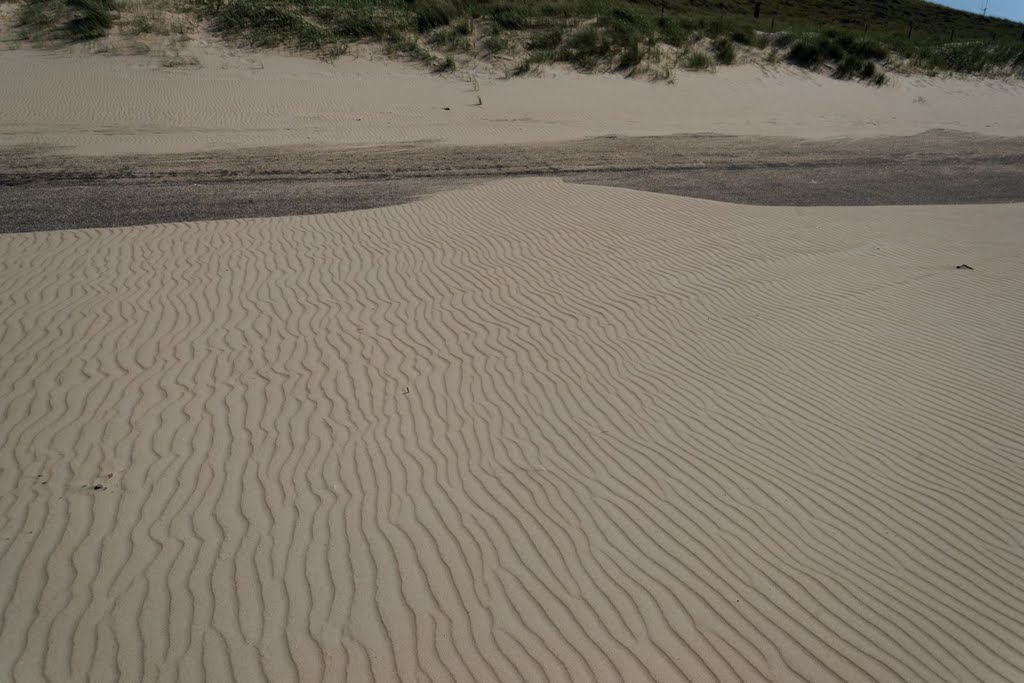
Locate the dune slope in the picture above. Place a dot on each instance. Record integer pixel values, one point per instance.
(91, 104)
(525, 431)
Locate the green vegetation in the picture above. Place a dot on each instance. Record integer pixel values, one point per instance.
(89, 18)
(450, 38)
(548, 39)
(66, 19)
(446, 64)
(521, 69)
(968, 57)
(494, 44)
(586, 48)
(725, 53)
(850, 57)
(698, 61)
(852, 39)
(854, 67)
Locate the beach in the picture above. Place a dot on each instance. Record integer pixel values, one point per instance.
(518, 428)
(99, 104)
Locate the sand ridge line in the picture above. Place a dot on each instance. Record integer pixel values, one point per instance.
(523, 431)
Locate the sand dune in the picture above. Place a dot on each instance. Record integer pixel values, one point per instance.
(102, 104)
(526, 431)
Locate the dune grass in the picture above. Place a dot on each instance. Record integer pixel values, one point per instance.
(849, 56)
(72, 20)
(725, 52)
(698, 61)
(972, 57)
(90, 18)
(849, 38)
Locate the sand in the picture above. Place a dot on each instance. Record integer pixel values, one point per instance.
(524, 431)
(85, 103)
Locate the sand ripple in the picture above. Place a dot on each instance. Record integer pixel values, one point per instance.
(529, 431)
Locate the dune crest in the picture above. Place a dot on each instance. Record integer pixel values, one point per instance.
(525, 431)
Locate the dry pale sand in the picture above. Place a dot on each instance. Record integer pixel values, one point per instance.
(102, 104)
(525, 431)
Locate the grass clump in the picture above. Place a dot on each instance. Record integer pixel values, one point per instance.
(623, 28)
(743, 37)
(310, 24)
(698, 61)
(714, 28)
(852, 57)
(725, 52)
(34, 20)
(858, 47)
(674, 32)
(868, 71)
(524, 67)
(90, 18)
(151, 20)
(848, 67)
(271, 25)
(494, 43)
(431, 14)
(783, 40)
(445, 65)
(973, 57)
(586, 48)
(812, 52)
(147, 22)
(451, 39)
(620, 38)
(631, 56)
(73, 20)
(410, 48)
(509, 17)
(548, 39)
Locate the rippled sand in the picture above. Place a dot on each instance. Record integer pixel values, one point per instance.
(526, 431)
